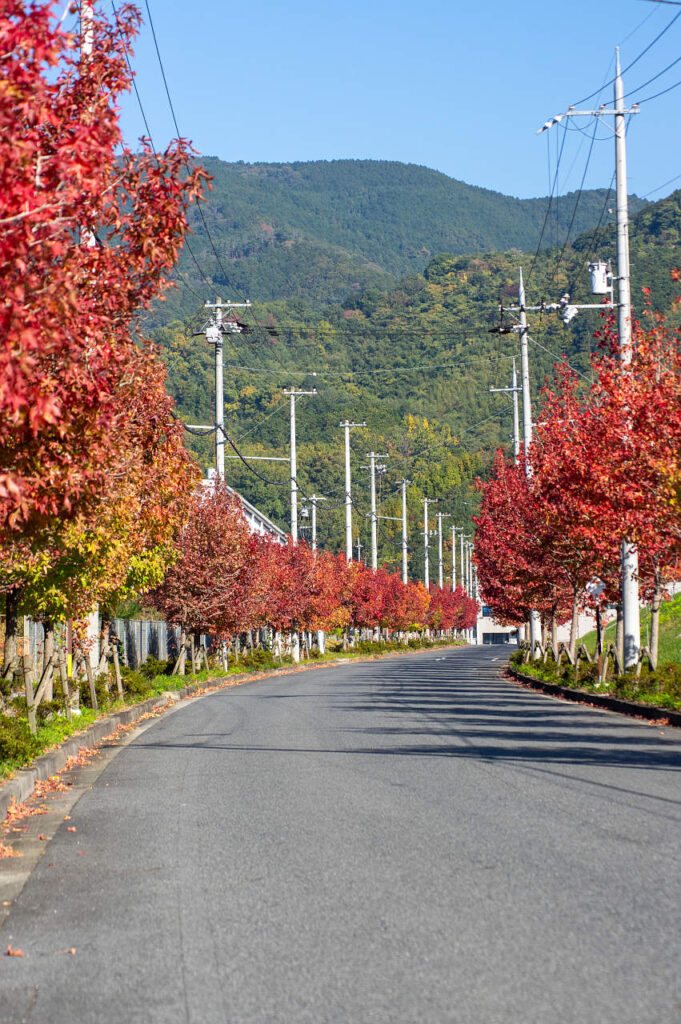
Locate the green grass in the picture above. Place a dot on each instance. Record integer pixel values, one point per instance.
(661, 688)
(18, 747)
(670, 632)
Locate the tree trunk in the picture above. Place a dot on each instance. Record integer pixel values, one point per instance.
(655, 621)
(117, 670)
(103, 661)
(619, 635)
(574, 626)
(10, 661)
(554, 635)
(63, 675)
(28, 688)
(48, 653)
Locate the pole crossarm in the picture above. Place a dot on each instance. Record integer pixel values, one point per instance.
(602, 111)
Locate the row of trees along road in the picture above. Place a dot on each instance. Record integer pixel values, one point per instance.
(98, 495)
(228, 581)
(605, 467)
(94, 476)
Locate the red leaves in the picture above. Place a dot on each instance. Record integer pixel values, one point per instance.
(15, 952)
(72, 375)
(605, 467)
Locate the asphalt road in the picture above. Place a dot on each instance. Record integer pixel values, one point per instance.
(412, 840)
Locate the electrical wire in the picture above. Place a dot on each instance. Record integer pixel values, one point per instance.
(632, 63)
(662, 92)
(574, 209)
(548, 210)
(178, 272)
(660, 187)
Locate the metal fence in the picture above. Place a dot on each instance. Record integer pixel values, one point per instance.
(139, 639)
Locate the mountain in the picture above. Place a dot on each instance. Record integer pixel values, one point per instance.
(416, 361)
(321, 230)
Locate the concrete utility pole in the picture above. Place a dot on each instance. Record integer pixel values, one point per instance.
(314, 498)
(440, 575)
(535, 618)
(514, 391)
(455, 530)
(294, 394)
(426, 541)
(461, 561)
(631, 612)
(213, 334)
(405, 540)
(347, 427)
(372, 456)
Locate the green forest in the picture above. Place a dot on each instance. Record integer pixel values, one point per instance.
(415, 359)
(322, 230)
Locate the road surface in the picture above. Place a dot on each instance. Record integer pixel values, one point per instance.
(407, 840)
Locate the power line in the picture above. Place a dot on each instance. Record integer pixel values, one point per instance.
(574, 209)
(632, 63)
(660, 187)
(548, 209)
(149, 136)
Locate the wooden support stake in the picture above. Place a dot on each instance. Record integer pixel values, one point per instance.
(117, 670)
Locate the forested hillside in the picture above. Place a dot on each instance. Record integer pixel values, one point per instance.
(321, 230)
(415, 361)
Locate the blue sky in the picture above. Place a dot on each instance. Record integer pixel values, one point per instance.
(459, 87)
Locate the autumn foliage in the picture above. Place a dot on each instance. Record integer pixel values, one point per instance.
(94, 475)
(604, 467)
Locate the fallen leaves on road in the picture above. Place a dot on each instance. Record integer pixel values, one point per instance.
(15, 952)
(72, 951)
(70, 828)
(7, 851)
(42, 837)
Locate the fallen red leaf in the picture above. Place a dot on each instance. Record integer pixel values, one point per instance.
(70, 828)
(14, 952)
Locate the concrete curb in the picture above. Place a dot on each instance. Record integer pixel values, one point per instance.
(600, 700)
(21, 785)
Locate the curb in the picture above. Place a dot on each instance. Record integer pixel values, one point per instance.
(600, 700)
(21, 785)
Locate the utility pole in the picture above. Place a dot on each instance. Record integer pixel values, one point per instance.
(405, 541)
(314, 498)
(372, 456)
(440, 576)
(461, 561)
(631, 612)
(294, 394)
(535, 619)
(455, 530)
(347, 427)
(514, 391)
(213, 333)
(426, 541)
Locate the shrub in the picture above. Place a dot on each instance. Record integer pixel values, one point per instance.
(16, 741)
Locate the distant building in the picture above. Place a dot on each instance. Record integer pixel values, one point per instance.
(257, 521)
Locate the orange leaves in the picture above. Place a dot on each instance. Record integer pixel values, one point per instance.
(14, 952)
(16, 812)
(7, 851)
